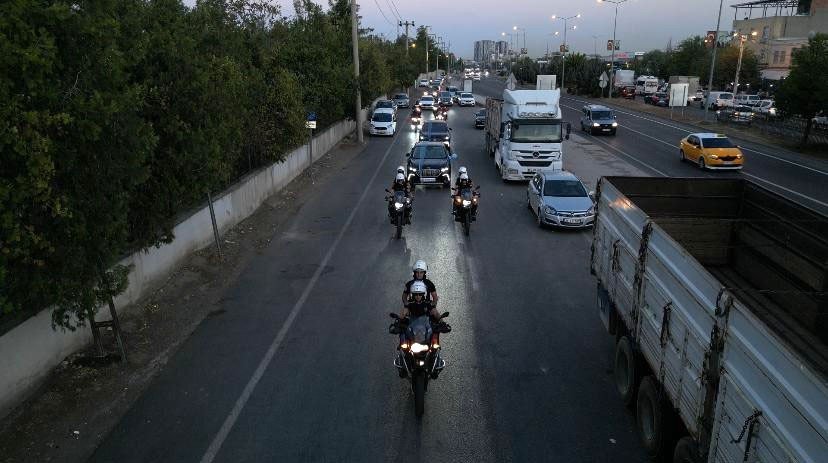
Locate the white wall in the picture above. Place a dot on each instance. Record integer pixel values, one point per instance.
(30, 351)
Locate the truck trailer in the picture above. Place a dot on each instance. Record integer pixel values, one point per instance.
(715, 291)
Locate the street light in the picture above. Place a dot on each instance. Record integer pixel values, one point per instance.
(742, 39)
(614, 26)
(515, 28)
(565, 46)
(509, 51)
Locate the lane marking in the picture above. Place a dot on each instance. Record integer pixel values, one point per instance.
(646, 166)
(215, 446)
(812, 169)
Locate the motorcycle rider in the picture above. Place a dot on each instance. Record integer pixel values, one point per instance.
(401, 184)
(419, 272)
(419, 305)
(462, 170)
(463, 181)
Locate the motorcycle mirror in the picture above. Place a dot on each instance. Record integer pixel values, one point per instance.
(394, 316)
(444, 315)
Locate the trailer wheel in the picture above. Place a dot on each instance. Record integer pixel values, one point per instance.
(652, 419)
(625, 373)
(687, 451)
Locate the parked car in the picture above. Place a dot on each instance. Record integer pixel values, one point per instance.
(737, 114)
(711, 151)
(480, 119)
(426, 103)
(436, 131)
(383, 122)
(765, 108)
(716, 100)
(559, 198)
(598, 119)
(401, 100)
(466, 99)
(430, 163)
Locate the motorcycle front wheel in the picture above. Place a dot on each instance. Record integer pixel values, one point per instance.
(419, 393)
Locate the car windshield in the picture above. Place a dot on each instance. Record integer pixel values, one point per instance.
(466, 95)
(482, 112)
(445, 94)
(534, 132)
(434, 128)
(429, 152)
(427, 99)
(381, 117)
(717, 143)
(385, 104)
(564, 188)
(401, 96)
(602, 114)
(726, 96)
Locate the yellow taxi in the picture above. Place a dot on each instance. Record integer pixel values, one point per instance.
(711, 151)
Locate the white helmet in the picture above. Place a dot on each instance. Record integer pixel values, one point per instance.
(418, 287)
(400, 169)
(462, 170)
(420, 266)
(464, 176)
(400, 177)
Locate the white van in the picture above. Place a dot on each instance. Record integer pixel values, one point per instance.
(646, 85)
(746, 100)
(716, 100)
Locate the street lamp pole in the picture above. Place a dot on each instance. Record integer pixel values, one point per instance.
(509, 51)
(742, 39)
(713, 57)
(565, 47)
(612, 56)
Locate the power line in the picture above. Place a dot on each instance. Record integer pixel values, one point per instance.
(383, 13)
(399, 16)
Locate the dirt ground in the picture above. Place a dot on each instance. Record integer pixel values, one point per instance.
(66, 419)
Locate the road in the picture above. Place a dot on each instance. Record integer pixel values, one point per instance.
(297, 367)
(651, 143)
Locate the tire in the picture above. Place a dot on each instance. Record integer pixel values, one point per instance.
(683, 157)
(419, 393)
(702, 166)
(466, 223)
(652, 419)
(687, 451)
(625, 372)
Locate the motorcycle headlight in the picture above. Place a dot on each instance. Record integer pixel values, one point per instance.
(398, 205)
(466, 203)
(416, 348)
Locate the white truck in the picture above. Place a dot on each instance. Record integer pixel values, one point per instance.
(623, 78)
(715, 291)
(646, 85)
(467, 85)
(525, 133)
(691, 81)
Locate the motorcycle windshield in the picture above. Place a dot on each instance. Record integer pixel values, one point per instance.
(466, 193)
(419, 330)
(399, 196)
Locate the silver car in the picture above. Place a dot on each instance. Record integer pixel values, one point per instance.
(559, 198)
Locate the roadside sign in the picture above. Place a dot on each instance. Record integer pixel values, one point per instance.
(564, 48)
(678, 94)
(609, 45)
(310, 120)
(310, 124)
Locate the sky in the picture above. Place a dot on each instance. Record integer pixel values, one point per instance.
(643, 25)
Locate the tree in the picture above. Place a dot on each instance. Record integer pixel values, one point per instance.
(691, 58)
(804, 92)
(654, 63)
(727, 61)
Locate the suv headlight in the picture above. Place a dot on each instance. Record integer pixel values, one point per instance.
(595, 124)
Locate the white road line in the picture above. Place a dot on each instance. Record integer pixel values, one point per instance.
(632, 158)
(230, 421)
(812, 169)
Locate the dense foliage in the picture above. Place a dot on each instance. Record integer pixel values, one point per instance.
(118, 115)
(803, 92)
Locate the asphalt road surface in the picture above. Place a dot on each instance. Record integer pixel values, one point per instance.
(651, 143)
(299, 365)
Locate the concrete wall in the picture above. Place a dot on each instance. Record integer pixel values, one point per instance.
(30, 351)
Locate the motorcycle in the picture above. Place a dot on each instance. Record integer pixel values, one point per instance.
(465, 207)
(416, 117)
(441, 114)
(418, 355)
(399, 209)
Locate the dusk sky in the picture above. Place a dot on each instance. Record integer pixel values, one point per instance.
(642, 24)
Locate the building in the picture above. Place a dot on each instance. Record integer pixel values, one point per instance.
(502, 48)
(781, 27)
(483, 50)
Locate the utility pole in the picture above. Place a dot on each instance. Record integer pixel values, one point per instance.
(742, 39)
(614, 45)
(713, 58)
(565, 48)
(355, 40)
(406, 24)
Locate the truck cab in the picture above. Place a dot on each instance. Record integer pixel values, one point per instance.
(524, 132)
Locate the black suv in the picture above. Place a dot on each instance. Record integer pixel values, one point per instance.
(445, 99)
(436, 131)
(429, 163)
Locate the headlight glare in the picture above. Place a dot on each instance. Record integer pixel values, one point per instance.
(417, 348)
